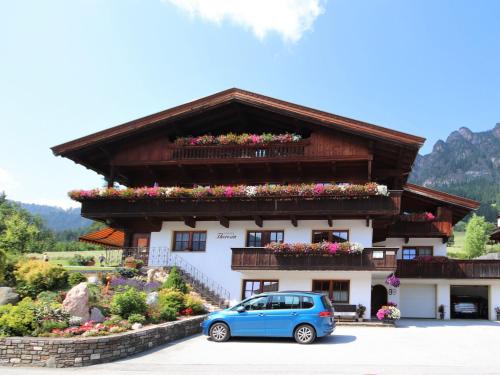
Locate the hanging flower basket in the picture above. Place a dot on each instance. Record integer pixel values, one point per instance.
(393, 281)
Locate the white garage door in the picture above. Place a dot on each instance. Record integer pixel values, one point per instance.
(418, 301)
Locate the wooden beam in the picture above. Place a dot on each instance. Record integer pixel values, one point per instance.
(294, 221)
(224, 221)
(407, 239)
(368, 221)
(258, 221)
(190, 221)
(330, 221)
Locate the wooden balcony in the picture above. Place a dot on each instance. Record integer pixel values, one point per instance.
(221, 152)
(451, 269)
(419, 229)
(259, 258)
(190, 210)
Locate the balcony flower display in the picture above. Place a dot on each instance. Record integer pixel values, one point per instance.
(310, 249)
(393, 280)
(430, 259)
(336, 191)
(238, 139)
(418, 216)
(388, 312)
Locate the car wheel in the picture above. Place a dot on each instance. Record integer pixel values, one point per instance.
(305, 334)
(219, 332)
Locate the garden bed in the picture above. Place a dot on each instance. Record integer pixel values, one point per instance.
(85, 351)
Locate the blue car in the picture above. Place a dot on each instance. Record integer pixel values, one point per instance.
(301, 315)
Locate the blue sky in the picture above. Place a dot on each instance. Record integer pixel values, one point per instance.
(70, 68)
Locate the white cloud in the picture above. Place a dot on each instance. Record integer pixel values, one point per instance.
(289, 18)
(7, 181)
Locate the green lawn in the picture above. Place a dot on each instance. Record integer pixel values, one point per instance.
(113, 257)
(457, 250)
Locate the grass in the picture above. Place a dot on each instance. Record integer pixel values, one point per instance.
(113, 258)
(457, 250)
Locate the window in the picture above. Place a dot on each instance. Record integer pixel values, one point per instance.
(330, 235)
(190, 241)
(336, 290)
(259, 303)
(307, 302)
(262, 238)
(285, 302)
(411, 252)
(251, 287)
(140, 240)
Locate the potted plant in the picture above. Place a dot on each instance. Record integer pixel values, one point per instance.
(360, 311)
(497, 310)
(441, 312)
(130, 262)
(139, 263)
(388, 313)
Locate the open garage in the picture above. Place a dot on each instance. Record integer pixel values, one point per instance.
(469, 301)
(418, 301)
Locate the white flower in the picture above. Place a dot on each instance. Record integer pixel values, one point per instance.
(250, 191)
(75, 321)
(167, 191)
(382, 190)
(356, 247)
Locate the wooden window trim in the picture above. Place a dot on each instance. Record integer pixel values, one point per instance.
(265, 235)
(330, 233)
(330, 288)
(262, 281)
(417, 248)
(190, 243)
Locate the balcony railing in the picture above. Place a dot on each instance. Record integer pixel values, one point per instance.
(286, 150)
(450, 269)
(259, 258)
(434, 228)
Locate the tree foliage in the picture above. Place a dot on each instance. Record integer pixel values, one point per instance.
(476, 236)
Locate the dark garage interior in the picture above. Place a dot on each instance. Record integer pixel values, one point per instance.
(469, 301)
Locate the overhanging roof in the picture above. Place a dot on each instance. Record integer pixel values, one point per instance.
(245, 97)
(106, 237)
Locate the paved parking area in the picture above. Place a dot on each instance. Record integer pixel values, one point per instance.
(416, 347)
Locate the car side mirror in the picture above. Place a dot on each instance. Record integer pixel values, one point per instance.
(241, 309)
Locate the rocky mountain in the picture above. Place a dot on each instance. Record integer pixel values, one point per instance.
(467, 164)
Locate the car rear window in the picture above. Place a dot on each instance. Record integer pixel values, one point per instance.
(326, 302)
(307, 302)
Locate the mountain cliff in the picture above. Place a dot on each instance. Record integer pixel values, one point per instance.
(466, 164)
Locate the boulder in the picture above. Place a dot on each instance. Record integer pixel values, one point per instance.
(152, 299)
(96, 315)
(7, 295)
(76, 302)
(156, 274)
(136, 326)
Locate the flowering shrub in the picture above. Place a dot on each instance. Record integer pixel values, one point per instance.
(322, 248)
(237, 191)
(89, 329)
(390, 312)
(418, 216)
(392, 280)
(238, 139)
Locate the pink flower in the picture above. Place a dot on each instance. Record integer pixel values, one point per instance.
(228, 191)
(429, 216)
(319, 189)
(380, 314)
(332, 248)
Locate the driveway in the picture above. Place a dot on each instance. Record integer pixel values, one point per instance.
(416, 347)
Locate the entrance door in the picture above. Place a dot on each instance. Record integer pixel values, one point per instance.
(379, 298)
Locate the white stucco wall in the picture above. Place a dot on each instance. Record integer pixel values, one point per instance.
(437, 244)
(215, 262)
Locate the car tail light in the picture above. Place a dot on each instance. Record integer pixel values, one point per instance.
(325, 314)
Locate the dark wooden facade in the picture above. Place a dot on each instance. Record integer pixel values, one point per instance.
(253, 258)
(450, 269)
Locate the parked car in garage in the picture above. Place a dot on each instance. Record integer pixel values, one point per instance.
(301, 315)
(468, 307)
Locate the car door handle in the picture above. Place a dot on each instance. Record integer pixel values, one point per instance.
(260, 314)
(294, 314)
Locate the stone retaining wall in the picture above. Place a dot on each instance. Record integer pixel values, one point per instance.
(77, 352)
